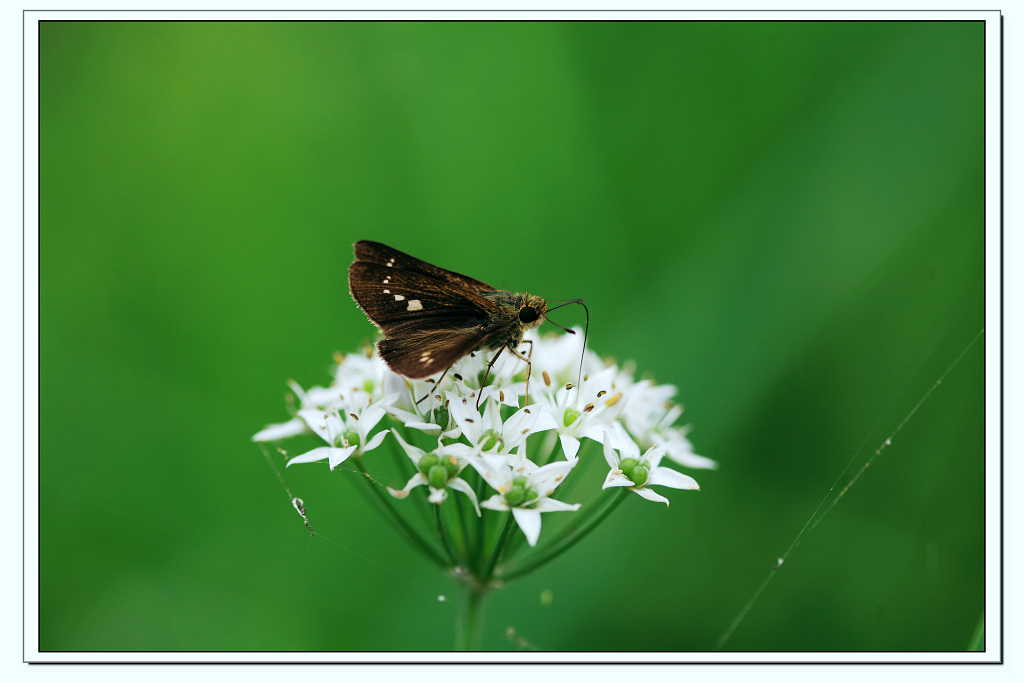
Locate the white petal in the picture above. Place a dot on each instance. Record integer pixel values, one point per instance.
(545, 479)
(437, 496)
(324, 425)
(292, 427)
(651, 495)
(495, 471)
(315, 455)
(610, 456)
(369, 418)
(622, 442)
(691, 459)
(417, 480)
(507, 395)
(466, 416)
(340, 455)
(570, 446)
(495, 502)
(664, 476)
(529, 522)
(652, 456)
(414, 452)
(616, 478)
(552, 505)
(428, 427)
(375, 441)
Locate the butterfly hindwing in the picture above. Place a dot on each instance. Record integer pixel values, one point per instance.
(422, 354)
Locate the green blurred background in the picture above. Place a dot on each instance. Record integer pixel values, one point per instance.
(784, 220)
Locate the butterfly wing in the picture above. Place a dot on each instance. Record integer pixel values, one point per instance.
(421, 354)
(383, 255)
(405, 301)
(431, 317)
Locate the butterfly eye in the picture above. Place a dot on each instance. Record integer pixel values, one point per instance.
(527, 314)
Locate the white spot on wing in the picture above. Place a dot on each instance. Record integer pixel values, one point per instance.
(399, 297)
(414, 305)
(387, 291)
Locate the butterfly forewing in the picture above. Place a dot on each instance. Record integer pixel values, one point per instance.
(382, 254)
(400, 300)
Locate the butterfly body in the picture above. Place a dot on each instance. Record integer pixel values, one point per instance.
(432, 317)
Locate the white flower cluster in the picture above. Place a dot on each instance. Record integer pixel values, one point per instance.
(487, 430)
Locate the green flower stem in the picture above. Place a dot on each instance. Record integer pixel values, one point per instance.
(470, 535)
(468, 627)
(388, 507)
(571, 538)
(499, 548)
(453, 556)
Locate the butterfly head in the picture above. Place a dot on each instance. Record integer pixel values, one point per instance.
(532, 311)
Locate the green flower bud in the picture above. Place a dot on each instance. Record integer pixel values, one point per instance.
(451, 464)
(635, 471)
(441, 417)
(426, 462)
(627, 466)
(515, 496)
(437, 476)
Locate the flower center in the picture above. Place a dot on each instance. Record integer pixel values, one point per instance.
(635, 471)
(438, 470)
(570, 416)
(491, 439)
(520, 495)
(347, 438)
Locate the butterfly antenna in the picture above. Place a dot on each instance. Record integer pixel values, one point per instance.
(586, 328)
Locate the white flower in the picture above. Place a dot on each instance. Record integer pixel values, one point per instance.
(294, 426)
(415, 412)
(648, 408)
(345, 433)
(358, 381)
(679, 449)
(637, 472)
(488, 432)
(275, 432)
(580, 412)
(523, 488)
(438, 471)
(360, 372)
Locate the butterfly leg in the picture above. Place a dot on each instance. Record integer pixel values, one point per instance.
(529, 367)
(483, 382)
(438, 385)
